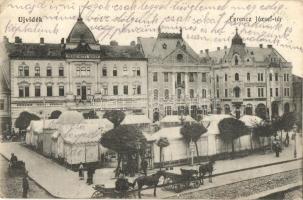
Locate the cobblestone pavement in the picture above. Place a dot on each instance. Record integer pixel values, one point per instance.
(11, 187)
(247, 187)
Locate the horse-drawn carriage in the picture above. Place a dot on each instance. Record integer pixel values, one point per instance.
(189, 178)
(102, 192)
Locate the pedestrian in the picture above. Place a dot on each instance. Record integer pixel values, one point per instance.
(277, 147)
(89, 175)
(81, 168)
(144, 165)
(287, 140)
(25, 186)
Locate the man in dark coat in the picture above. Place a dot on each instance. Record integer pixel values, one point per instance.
(25, 186)
(144, 165)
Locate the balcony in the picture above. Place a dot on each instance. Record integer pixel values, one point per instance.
(236, 100)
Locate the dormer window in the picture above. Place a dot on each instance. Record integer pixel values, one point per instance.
(164, 46)
(236, 60)
(180, 57)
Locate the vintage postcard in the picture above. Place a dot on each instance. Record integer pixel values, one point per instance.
(153, 99)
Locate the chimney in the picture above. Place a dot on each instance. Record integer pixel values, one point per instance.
(206, 51)
(113, 43)
(133, 43)
(62, 40)
(218, 48)
(201, 51)
(225, 47)
(261, 45)
(41, 40)
(269, 46)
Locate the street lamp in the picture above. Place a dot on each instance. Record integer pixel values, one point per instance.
(295, 146)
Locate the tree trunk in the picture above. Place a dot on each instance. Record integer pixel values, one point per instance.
(118, 165)
(197, 151)
(160, 158)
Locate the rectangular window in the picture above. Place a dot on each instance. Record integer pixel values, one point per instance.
(276, 77)
(26, 71)
(191, 76)
(270, 77)
(21, 71)
(105, 91)
(1, 104)
(89, 91)
(134, 71)
(49, 71)
(217, 77)
(248, 92)
(225, 77)
(115, 89)
(260, 76)
(61, 91)
(218, 95)
(125, 89)
(287, 77)
(49, 91)
(37, 91)
(191, 93)
(21, 94)
(87, 71)
(260, 92)
(277, 92)
(104, 71)
(139, 89)
(226, 93)
(165, 76)
(125, 72)
(284, 77)
(203, 77)
(270, 91)
(37, 71)
(155, 76)
(61, 71)
(78, 71)
(26, 91)
(203, 93)
(248, 76)
(78, 91)
(115, 72)
(138, 71)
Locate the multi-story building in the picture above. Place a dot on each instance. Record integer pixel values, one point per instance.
(178, 79)
(298, 94)
(79, 74)
(250, 80)
(158, 76)
(4, 93)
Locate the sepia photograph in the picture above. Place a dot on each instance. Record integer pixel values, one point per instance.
(151, 99)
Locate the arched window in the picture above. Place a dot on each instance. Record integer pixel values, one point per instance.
(203, 93)
(166, 94)
(236, 76)
(179, 92)
(180, 57)
(237, 92)
(156, 94)
(248, 109)
(226, 109)
(37, 70)
(236, 60)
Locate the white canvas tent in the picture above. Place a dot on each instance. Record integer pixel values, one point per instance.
(140, 121)
(174, 120)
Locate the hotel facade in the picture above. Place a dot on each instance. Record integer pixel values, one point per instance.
(158, 76)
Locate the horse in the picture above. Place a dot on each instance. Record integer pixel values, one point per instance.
(188, 175)
(206, 168)
(151, 180)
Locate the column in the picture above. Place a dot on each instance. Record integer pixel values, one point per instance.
(186, 84)
(173, 74)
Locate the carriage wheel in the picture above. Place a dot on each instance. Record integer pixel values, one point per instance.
(177, 188)
(197, 184)
(167, 181)
(97, 195)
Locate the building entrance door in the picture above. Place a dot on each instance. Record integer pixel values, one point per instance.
(83, 93)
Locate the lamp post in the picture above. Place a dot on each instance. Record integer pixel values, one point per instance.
(295, 139)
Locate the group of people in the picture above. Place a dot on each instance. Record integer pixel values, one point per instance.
(90, 173)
